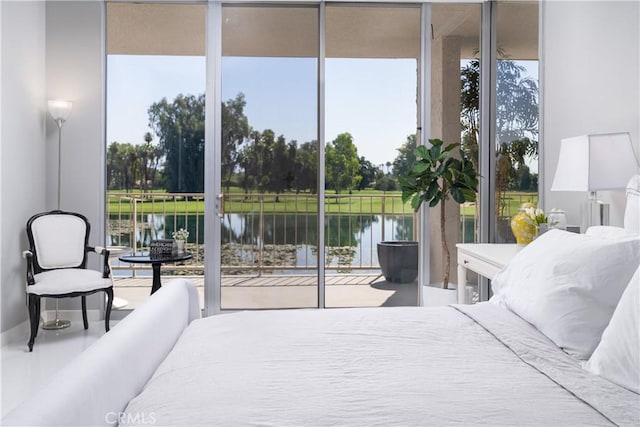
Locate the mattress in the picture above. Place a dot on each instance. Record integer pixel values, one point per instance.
(405, 366)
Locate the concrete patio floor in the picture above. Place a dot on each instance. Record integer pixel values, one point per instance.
(283, 291)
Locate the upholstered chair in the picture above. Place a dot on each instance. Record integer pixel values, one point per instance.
(56, 264)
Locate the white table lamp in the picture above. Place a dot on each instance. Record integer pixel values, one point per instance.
(592, 163)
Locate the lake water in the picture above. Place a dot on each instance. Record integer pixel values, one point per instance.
(288, 239)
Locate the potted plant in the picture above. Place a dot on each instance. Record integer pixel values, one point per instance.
(180, 236)
(435, 177)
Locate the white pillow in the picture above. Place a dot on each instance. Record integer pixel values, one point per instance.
(617, 357)
(609, 232)
(567, 285)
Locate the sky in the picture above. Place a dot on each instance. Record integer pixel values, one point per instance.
(372, 99)
(283, 97)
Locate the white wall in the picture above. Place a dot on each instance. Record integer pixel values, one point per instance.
(590, 78)
(22, 145)
(75, 72)
(49, 50)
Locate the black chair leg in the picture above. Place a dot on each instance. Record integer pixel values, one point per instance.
(84, 312)
(34, 318)
(109, 292)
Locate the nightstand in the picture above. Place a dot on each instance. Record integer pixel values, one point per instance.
(486, 259)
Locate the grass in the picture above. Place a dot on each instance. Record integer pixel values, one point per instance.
(367, 202)
(360, 202)
(512, 203)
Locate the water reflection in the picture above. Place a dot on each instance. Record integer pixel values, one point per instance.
(246, 235)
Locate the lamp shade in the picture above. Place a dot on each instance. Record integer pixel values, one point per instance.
(595, 162)
(59, 110)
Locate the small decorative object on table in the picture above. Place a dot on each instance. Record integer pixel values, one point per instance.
(159, 249)
(529, 223)
(557, 219)
(523, 227)
(539, 219)
(180, 236)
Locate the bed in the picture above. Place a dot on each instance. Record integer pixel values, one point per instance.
(557, 345)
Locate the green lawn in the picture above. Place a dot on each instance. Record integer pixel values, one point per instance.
(236, 202)
(366, 202)
(512, 203)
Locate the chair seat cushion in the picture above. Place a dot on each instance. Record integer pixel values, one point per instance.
(68, 280)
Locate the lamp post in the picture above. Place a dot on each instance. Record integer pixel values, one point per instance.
(59, 111)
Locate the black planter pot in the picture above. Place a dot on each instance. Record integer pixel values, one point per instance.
(398, 260)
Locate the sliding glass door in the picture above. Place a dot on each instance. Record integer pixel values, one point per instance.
(313, 112)
(276, 62)
(516, 111)
(155, 91)
(371, 85)
(269, 171)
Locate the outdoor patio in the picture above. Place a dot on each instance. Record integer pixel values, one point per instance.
(283, 291)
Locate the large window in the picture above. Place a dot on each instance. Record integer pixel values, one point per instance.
(318, 108)
(155, 138)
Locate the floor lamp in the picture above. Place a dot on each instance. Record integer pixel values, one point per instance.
(592, 163)
(59, 111)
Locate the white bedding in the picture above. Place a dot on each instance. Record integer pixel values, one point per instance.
(465, 365)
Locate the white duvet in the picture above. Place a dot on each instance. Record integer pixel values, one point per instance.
(463, 365)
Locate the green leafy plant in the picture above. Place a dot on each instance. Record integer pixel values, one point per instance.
(436, 176)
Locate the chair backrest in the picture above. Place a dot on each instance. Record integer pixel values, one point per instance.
(58, 240)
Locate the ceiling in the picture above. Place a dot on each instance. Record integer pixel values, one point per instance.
(353, 31)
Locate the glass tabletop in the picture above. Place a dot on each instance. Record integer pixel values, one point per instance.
(145, 258)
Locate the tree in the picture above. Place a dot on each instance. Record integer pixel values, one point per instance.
(406, 157)
(279, 168)
(386, 183)
(367, 172)
(516, 121)
(306, 167)
(235, 130)
(342, 163)
(511, 157)
(516, 100)
(114, 166)
(148, 162)
(179, 126)
(129, 166)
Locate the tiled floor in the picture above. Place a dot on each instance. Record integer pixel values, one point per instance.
(23, 372)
